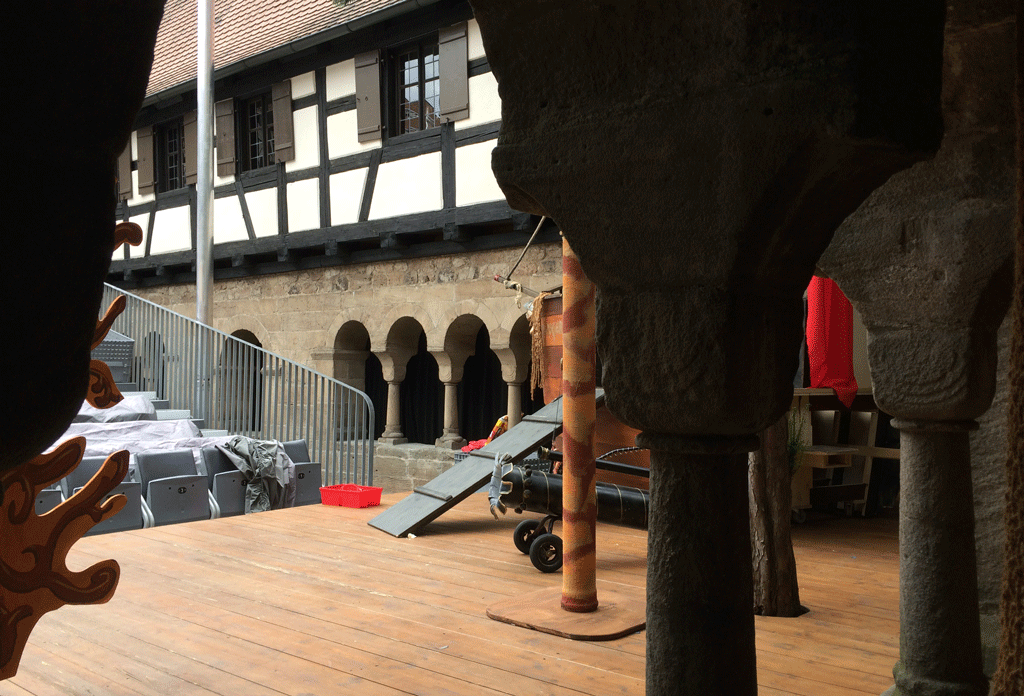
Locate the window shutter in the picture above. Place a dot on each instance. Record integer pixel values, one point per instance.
(124, 173)
(147, 181)
(454, 61)
(191, 147)
(368, 96)
(225, 115)
(284, 133)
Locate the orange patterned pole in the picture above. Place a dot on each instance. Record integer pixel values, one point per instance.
(579, 414)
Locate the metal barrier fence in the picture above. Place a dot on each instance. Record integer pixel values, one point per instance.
(236, 386)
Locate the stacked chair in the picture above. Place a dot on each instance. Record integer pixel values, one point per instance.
(134, 515)
(173, 488)
(308, 476)
(225, 481)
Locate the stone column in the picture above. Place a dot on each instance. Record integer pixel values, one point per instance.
(450, 363)
(702, 236)
(698, 584)
(393, 363)
(450, 438)
(515, 403)
(515, 363)
(927, 261)
(392, 434)
(940, 643)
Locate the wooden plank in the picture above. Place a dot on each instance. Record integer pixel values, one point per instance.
(312, 600)
(458, 482)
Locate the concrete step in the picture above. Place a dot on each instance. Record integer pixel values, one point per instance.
(173, 414)
(214, 432)
(151, 395)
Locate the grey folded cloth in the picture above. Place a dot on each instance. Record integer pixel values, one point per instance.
(269, 472)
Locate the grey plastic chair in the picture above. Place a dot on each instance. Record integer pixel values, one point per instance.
(225, 481)
(47, 499)
(173, 489)
(308, 475)
(134, 515)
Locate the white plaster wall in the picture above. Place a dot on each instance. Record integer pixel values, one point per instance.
(307, 147)
(137, 252)
(475, 41)
(484, 102)
(303, 85)
(343, 137)
(172, 231)
(407, 186)
(341, 79)
(474, 180)
(346, 195)
(228, 223)
(304, 205)
(263, 211)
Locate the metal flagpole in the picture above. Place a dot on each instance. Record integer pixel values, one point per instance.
(204, 194)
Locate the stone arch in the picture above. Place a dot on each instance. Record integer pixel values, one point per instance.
(421, 393)
(395, 327)
(239, 383)
(357, 366)
(482, 394)
(250, 326)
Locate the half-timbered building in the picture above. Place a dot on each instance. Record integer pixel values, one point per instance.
(357, 226)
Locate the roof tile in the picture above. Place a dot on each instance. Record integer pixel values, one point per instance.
(243, 29)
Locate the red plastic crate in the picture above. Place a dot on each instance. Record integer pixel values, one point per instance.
(350, 495)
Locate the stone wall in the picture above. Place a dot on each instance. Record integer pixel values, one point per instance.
(298, 314)
(401, 468)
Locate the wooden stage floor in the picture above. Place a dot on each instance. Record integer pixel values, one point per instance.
(312, 600)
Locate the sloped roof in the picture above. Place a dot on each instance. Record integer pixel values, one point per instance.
(244, 29)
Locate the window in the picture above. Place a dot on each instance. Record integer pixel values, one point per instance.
(170, 156)
(412, 88)
(167, 156)
(417, 88)
(256, 132)
(263, 126)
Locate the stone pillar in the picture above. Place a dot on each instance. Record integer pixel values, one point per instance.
(940, 644)
(927, 262)
(450, 438)
(515, 403)
(698, 585)
(701, 238)
(392, 434)
(450, 363)
(515, 364)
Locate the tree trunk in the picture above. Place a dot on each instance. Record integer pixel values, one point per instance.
(775, 587)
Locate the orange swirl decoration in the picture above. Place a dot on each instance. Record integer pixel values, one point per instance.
(34, 577)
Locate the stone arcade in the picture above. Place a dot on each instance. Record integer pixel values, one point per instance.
(699, 160)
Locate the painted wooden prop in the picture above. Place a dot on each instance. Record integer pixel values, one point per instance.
(579, 414)
(34, 577)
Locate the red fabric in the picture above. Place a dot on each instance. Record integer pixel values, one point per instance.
(830, 339)
(474, 445)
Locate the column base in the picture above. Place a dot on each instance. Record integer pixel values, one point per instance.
(909, 685)
(392, 439)
(452, 442)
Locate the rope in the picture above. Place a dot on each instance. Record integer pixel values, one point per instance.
(621, 450)
(508, 276)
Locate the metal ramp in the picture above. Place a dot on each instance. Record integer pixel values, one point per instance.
(429, 502)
